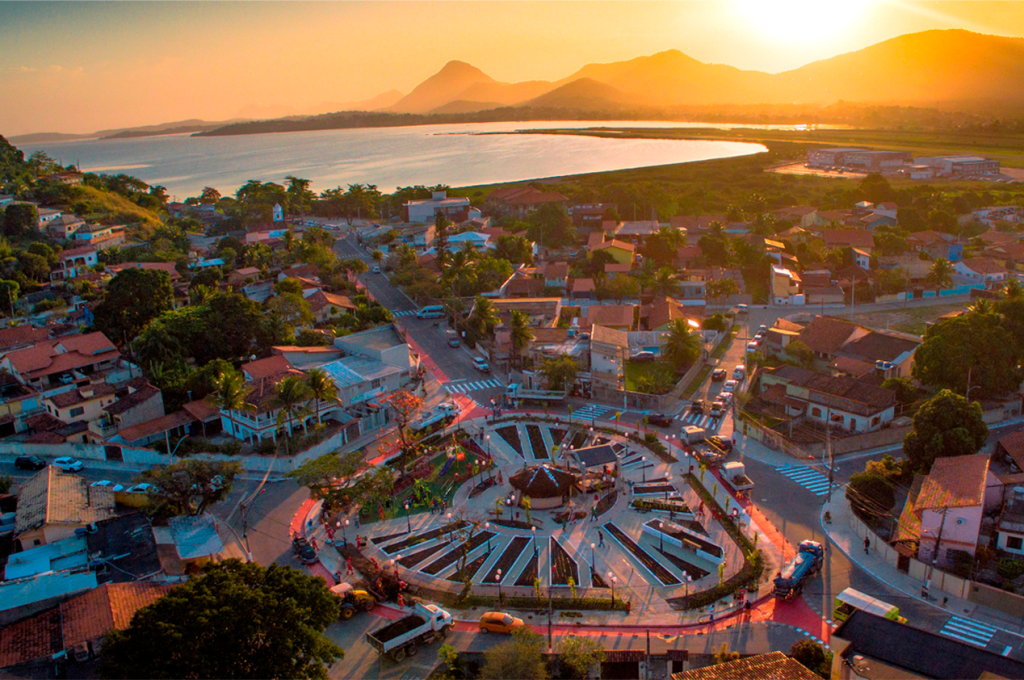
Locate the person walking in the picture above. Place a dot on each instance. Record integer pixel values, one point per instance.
(600, 538)
(867, 544)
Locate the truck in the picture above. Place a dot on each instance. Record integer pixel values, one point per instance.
(516, 391)
(691, 434)
(807, 562)
(353, 600)
(452, 337)
(402, 638)
(735, 475)
(442, 413)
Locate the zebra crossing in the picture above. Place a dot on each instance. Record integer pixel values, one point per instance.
(404, 312)
(464, 387)
(969, 631)
(698, 419)
(807, 477)
(590, 411)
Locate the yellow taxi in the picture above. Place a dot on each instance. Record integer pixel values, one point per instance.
(499, 622)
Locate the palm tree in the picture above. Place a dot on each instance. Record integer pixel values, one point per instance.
(942, 273)
(321, 387)
(200, 294)
(683, 346)
(483, 317)
(521, 333)
(377, 256)
(981, 306)
(230, 392)
(292, 393)
(664, 283)
(1013, 289)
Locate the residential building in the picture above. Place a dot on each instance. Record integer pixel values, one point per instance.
(521, 200)
(18, 403)
(524, 287)
(242, 275)
(591, 216)
(304, 358)
(619, 317)
(556, 274)
(1010, 529)
(773, 665)
(142, 403)
(840, 401)
(539, 311)
(81, 403)
(56, 364)
(168, 267)
(177, 424)
(621, 252)
(99, 236)
(54, 503)
(64, 227)
(74, 262)
(797, 215)
(583, 289)
(46, 215)
(661, 313)
(326, 306)
(613, 270)
(454, 209)
(981, 269)
(785, 286)
(419, 236)
(609, 349)
(636, 231)
(849, 238)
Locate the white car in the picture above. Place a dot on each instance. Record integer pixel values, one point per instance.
(107, 484)
(481, 365)
(739, 372)
(142, 488)
(752, 347)
(730, 385)
(69, 464)
(725, 397)
(376, 270)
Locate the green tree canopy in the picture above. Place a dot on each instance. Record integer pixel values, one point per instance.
(683, 345)
(521, 658)
(193, 485)
(973, 343)
(578, 654)
(133, 298)
(237, 620)
(20, 219)
(560, 372)
(945, 425)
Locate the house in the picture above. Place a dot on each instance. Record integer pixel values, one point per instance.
(800, 216)
(262, 368)
(614, 269)
(636, 231)
(260, 291)
(950, 502)
(524, 287)
(620, 317)
(1010, 529)
(770, 666)
(46, 215)
(582, 289)
(556, 274)
(195, 539)
(81, 403)
(64, 226)
(591, 216)
(326, 306)
(54, 503)
(981, 269)
(177, 424)
(540, 311)
(520, 200)
(849, 238)
(839, 401)
(454, 209)
(870, 646)
(259, 420)
(76, 626)
(99, 236)
(420, 236)
(993, 237)
(142, 402)
(621, 252)
(609, 349)
(688, 257)
(304, 358)
(240, 276)
(168, 267)
(825, 335)
(823, 295)
(832, 218)
(660, 314)
(785, 286)
(74, 262)
(862, 258)
(55, 364)
(20, 337)
(1010, 256)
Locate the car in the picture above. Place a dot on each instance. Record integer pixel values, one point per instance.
(752, 347)
(453, 341)
(304, 551)
(740, 372)
(730, 386)
(725, 397)
(69, 464)
(762, 330)
(717, 409)
(107, 484)
(499, 622)
(721, 442)
(697, 406)
(142, 488)
(376, 270)
(29, 463)
(643, 357)
(718, 375)
(659, 419)
(741, 309)
(481, 365)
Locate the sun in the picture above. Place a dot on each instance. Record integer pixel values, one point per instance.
(801, 20)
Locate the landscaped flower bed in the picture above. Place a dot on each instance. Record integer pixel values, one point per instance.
(416, 539)
(557, 435)
(563, 567)
(542, 603)
(512, 524)
(596, 581)
(686, 537)
(578, 440)
(693, 570)
(661, 573)
(484, 485)
(511, 435)
(468, 571)
(410, 561)
(529, 573)
(653, 488)
(452, 556)
(507, 559)
(670, 506)
(537, 442)
(377, 540)
(607, 502)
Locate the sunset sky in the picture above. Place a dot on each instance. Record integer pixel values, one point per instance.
(81, 67)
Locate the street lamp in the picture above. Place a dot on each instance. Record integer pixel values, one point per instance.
(534, 530)
(643, 468)
(686, 581)
(593, 560)
(487, 438)
(611, 582)
(344, 533)
(499, 585)
(394, 563)
(451, 529)
(408, 517)
(487, 527)
(668, 483)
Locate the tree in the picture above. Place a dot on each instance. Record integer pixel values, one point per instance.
(521, 334)
(578, 655)
(1013, 289)
(441, 225)
(291, 395)
(237, 620)
(521, 658)
(514, 249)
(405, 405)
(618, 288)
(906, 393)
(941, 274)
(560, 372)
(230, 392)
(327, 476)
(133, 298)
(973, 350)
(6, 483)
(876, 188)
(890, 281)
(812, 656)
(871, 497)
(193, 485)
(682, 346)
(551, 226)
(292, 309)
(209, 195)
(8, 294)
(945, 425)
(321, 387)
(454, 665)
(664, 283)
(801, 352)
(719, 289)
(20, 219)
(483, 317)
(723, 655)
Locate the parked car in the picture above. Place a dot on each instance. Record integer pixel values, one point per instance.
(721, 442)
(499, 622)
(481, 365)
(762, 330)
(697, 406)
(69, 464)
(730, 386)
(142, 488)
(725, 397)
(376, 270)
(741, 308)
(752, 347)
(304, 550)
(29, 463)
(718, 375)
(643, 357)
(106, 483)
(718, 409)
(740, 372)
(660, 420)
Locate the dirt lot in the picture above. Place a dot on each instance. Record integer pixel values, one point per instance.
(911, 320)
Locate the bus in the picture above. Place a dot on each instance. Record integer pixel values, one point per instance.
(850, 600)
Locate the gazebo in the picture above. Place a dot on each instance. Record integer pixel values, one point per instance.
(595, 462)
(546, 486)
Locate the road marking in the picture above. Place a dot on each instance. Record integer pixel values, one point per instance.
(463, 387)
(968, 630)
(807, 477)
(404, 312)
(590, 411)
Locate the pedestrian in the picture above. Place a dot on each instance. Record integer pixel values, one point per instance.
(867, 544)
(357, 520)
(359, 542)
(401, 601)
(711, 610)
(337, 577)
(945, 601)
(313, 541)
(348, 565)
(600, 538)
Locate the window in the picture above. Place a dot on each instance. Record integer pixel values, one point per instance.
(816, 412)
(77, 411)
(375, 384)
(874, 421)
(1014, 543)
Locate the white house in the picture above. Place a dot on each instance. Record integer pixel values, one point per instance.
(73, 262)
(454, 209)
(981, 269)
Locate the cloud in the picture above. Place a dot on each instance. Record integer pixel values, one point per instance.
(54, 68)
(23, 69)
(78, 69)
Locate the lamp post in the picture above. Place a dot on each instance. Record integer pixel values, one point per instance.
(661, 534)
(451, 530)
(643, 468)
(668, 481)
(487, 527)
(593, 560)
(344, 533)
(686, 581)
(408, 517)
(499, 585)
(612, 580)
(534, 530)
(487, 438)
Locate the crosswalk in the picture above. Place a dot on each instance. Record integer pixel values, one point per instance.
(969, 631)
(807, 477)
(404, 312)
(590, 411)
(464, 387)
(699, 419)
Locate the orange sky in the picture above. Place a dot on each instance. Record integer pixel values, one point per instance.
(81, 67)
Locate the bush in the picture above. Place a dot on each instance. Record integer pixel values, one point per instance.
(716, 322)
(871, 497)
(1010, 568)
(813, 657)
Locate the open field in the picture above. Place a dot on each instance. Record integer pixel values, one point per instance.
(910, 320)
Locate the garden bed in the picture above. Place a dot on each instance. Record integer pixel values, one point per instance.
(563, 567)
(416, 539)
(511, 553)
(607, 502)
(670, 506)
(452, 556)
(410, 561)
(482, 486)
(511, 436)
(578, 440)
(513, 524)
(529, 573)
(469, 571)
(377, 540)
(542, 603)
(685, 537)
(557, 435)
(695, 572)
(537, 442)
(596, 581)
(660, 572)
(640, 489)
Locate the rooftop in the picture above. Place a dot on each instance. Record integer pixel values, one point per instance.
(770, 666)
(954, 482)
(262, 368)
(542, 481)
(195, 537)
(52, 496)
(826, 334)
(81, 395)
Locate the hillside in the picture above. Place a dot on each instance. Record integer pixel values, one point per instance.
(583, 94)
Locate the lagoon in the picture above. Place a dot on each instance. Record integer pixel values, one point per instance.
(456, 155)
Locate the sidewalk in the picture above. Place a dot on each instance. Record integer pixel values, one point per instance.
(848, 535)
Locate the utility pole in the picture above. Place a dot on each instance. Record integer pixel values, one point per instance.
(938, 540)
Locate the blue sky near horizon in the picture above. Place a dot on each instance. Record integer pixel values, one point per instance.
(84, 66)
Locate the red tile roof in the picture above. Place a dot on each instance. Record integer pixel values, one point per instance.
(984, 265)
(261, 368)
(854, 238)
(22, 336)
(263, 391)
(615, 243)
(954, 482)
(827, 334)
(156, 426)
(62, 355)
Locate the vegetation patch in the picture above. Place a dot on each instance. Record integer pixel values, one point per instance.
(511, 435)
(563, 567)
(511, 553)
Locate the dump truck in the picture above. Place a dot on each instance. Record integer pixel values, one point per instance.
(803, 566)
(402, 638)
(442, 413)
(353, 600)
(735, 475)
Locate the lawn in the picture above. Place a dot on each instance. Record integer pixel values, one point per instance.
(659, 374)
(697, 381)
(910, 320)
